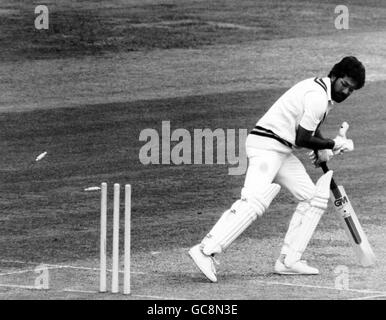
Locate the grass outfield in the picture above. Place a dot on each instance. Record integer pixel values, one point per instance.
(84, 91)
(98, 27)
(46, 213)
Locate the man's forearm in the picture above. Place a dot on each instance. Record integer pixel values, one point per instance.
(317, 143)
(312, 140)
(318, 134)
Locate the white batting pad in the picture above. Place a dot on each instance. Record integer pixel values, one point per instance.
(294, 225)
(234, 221)
(310, 220)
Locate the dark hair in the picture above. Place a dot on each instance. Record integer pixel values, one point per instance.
(350, 67)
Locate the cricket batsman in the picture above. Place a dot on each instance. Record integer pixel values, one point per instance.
(291, 123)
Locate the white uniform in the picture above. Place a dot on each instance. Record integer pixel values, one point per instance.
(272, 165)
(306, 104)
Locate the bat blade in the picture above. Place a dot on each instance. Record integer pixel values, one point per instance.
(353, 228)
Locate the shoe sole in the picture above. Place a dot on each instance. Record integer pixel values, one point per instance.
(194, 260)
(296, 273)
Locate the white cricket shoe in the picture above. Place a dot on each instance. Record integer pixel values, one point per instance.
(203, 262)
(299, 267)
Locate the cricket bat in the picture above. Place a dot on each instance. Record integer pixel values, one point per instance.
(353, 228)
(346, 213)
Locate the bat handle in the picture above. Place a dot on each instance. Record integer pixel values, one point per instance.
(324, 167)
(333, 186)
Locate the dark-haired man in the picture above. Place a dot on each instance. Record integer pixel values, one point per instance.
(292, 122)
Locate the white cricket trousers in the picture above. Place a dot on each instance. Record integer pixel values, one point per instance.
(271, 161)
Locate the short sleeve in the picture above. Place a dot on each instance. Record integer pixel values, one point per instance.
(315, 106)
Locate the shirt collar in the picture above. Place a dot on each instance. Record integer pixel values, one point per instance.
(327, 81)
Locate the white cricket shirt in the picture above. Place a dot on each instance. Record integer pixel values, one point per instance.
(307, 103)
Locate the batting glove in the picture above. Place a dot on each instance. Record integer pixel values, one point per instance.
(342, 144)
(320, 156)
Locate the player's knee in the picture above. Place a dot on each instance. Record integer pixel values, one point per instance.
(303, 205)
(322, 192)
(305, 193)
(260, 200)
